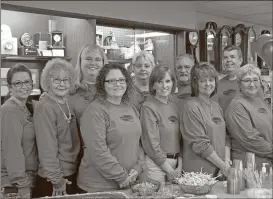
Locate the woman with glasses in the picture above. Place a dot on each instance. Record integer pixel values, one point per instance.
(160, 128)
(143, 64)
(56, 132)
(111, 130)
(249, 119)
(19, 160)
(202, 125)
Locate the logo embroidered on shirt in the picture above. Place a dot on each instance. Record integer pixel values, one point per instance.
(173, 119)
(184, 96)
(230, 91)
(127, 118)
(216, 120)
(262, 110)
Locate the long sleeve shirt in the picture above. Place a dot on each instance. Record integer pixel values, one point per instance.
(19, 158)
(227, 90)
(111, 135)
(183, 94)
(160, 129)
(57, 140)
(204, 131)
(249, 122)
(81, 100)
(139, 97)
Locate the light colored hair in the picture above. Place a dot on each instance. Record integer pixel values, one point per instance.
(185, 55)
(56, 64)
(87, 48)
(146, 55)
(248, 69)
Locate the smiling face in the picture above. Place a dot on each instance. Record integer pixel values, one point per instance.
(183, 68)
(91, 63)
(115, 89)
(21, 85)
(250, 85)
(206, 85)
(163, 88)
(59, 83)
(231, 60)
(142, 68)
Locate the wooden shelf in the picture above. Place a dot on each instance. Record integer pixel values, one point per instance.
(30, 58)
(121, 61)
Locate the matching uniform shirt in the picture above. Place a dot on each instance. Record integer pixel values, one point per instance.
(19, 158)
(249, 122)
(111, 135)
(160, 129)
(204, 131)
(57, 140)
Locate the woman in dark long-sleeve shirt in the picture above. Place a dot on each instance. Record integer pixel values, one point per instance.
(249, 119)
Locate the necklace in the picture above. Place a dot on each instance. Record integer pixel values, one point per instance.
(67, 118)
(22, 106)
(209, 106)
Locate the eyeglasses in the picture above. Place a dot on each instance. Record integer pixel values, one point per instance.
(57, 80)
(115, 81)
(19, 84)
(249, 81)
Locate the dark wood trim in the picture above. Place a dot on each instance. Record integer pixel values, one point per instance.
(218, 47)
(30, 58)
(105, 21)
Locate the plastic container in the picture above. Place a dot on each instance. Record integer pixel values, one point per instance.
(233, 183)
(238, 164)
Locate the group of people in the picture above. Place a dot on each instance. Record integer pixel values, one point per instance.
(94, 129)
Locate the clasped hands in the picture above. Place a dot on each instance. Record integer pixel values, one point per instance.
(131, 178)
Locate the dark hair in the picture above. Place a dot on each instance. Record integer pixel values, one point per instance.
(158, 73)
(101, 93)
(234, 47)
(19, 67)
(196, 70)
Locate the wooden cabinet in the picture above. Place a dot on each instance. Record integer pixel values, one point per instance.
(207, 42)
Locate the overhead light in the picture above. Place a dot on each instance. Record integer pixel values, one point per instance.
(150, 34)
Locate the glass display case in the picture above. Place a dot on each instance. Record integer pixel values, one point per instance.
(223, 39)
(207, 42)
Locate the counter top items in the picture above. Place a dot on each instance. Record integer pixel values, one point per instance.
(196, 183)
(145, 188)
(8, 43)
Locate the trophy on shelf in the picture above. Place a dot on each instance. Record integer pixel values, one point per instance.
(27, 47)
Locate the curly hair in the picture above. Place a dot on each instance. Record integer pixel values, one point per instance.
(196, 73)
(158, 73)
(84, 50)
(53, 65)
(248, 69)
(101, 93)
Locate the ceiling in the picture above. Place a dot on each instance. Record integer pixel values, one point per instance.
(255, 12)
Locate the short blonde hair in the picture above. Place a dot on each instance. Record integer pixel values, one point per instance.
(56, 64)
(146, 55)
(88, 48)
(248, 69)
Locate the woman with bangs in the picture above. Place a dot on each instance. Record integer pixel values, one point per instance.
(90, 61)
(249, 119)
(161, 135)
(143, 64)
(202, 125)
